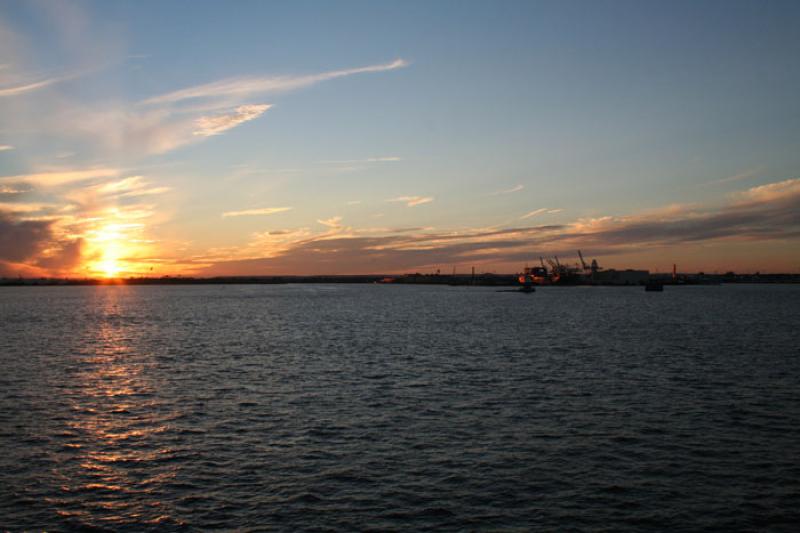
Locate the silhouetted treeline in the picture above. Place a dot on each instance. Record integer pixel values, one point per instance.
(484, 279)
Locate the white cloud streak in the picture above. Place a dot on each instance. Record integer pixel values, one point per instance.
(515, 188)
(128, 187)
(154, 131)
(540, 211)
(5, 147)
(412, 201)
(256, 212)
(533, 213)
(770, 192)
(28, 87)
(163, 124)
(245, 86)
(216, 124)
(749, 174)
(388, 159)
(333, 222)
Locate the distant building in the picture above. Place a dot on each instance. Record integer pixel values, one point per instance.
(621, 277)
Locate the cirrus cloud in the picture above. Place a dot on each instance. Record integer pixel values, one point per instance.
(333, 222)
(412, 201)
(216, 124)
(248, 85)
(515, 188)
(256, 212)
(54, 178)
(540, 211)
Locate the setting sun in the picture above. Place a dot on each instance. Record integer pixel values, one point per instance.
(114, 248)
(110, 268)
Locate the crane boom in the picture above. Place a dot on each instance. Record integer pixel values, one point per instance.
(583, 263)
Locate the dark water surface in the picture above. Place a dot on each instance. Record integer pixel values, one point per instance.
(337, 407)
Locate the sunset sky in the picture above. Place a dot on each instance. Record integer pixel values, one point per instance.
(238, 138)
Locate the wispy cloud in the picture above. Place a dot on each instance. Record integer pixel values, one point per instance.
(108, 128)
(533, 213)
(412, 201)
(247, 86)
(540, 211)
(163, 124)
(214, 125)
(18, 78)
(333, 222)
(61, 177)
(5, 147)
(15, 90)
(130, 187)
(515, 188)
(23, 207)
(256, 212)
(118, 129)
(749, 174)
(387, 159)
(769, 192)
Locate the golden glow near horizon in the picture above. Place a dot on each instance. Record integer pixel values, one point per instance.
(107, 242)
(111, 249)
(110, 268)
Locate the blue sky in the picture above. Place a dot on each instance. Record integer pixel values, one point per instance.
(467, 122)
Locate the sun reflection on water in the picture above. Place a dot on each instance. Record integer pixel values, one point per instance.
(119, 466)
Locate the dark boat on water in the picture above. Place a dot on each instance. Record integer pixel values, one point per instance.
(526, 278)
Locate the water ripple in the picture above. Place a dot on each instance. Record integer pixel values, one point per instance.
(340, 408)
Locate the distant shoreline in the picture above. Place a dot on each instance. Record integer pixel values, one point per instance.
(483, 280)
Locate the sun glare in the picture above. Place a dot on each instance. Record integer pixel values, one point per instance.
(110, 247)
(115, 248)
(110, 268)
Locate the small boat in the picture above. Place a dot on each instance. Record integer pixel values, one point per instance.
(526, 278)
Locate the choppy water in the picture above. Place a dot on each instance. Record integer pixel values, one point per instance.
(353, 407)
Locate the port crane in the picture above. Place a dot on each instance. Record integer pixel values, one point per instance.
(583, 263)
(563, 273)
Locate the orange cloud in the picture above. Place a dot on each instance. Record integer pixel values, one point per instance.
(56, 178)
(771, 213)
